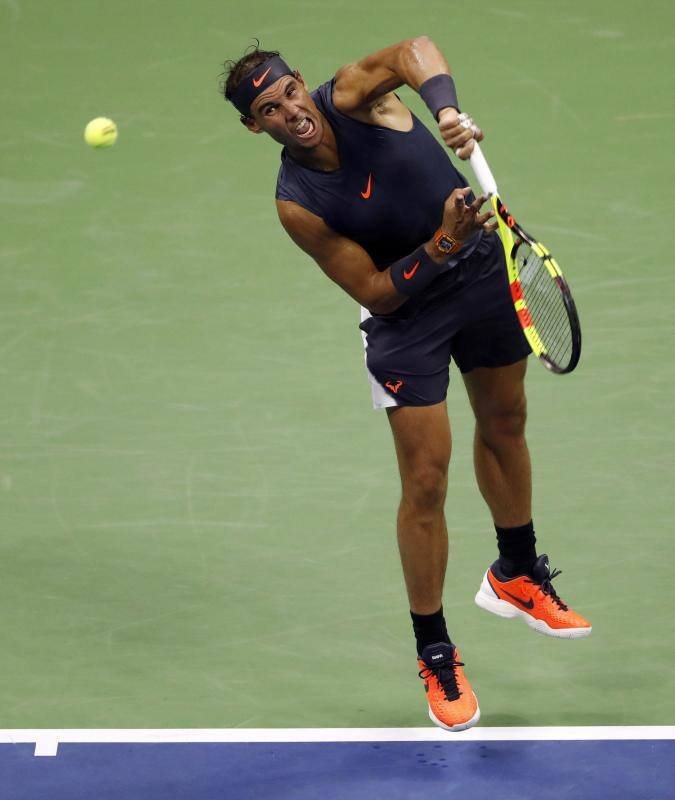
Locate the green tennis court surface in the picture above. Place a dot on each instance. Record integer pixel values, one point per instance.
(196, 502)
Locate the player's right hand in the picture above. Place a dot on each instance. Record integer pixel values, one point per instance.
(461, 220)
(459, 131)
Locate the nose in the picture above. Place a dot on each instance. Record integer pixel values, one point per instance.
(293, 111)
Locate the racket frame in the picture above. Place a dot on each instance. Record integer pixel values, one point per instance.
(512, 236)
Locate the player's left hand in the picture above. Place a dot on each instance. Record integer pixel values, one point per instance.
(459, 131)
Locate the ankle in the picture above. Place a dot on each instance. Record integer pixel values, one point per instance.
(429, 629)
(517, 552)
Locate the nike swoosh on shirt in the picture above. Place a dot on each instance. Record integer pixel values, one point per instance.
(366, 194)
(258, 81)
(408, 275)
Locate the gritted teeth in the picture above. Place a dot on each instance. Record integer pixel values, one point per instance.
(305, 128)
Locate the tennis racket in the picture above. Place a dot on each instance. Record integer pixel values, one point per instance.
(541, 296)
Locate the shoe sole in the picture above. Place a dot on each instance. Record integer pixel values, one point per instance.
(462, 726)
(485, 598)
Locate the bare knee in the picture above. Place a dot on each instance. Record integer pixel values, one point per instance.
(425, 487)
(503, 421)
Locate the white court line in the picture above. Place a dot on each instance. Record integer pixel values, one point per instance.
(47, 740)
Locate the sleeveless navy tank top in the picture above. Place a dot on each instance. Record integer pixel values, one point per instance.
(405, 177)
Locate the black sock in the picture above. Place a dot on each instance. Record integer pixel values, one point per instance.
(429, 629)
(517, 553)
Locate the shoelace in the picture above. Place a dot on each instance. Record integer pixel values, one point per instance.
(548, 589)
(445, 674)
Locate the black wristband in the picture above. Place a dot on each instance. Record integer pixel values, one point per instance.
(439, 92)
(412, 274)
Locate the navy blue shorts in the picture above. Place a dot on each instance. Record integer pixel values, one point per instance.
(471, 321)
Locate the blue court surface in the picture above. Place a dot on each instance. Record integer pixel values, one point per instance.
(472, 767)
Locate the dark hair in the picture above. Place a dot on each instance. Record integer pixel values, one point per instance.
(236, 71)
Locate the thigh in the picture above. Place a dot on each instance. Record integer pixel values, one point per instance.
(422, 439)
(497, 391)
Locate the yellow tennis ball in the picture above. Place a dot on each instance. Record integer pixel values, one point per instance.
(100, 132)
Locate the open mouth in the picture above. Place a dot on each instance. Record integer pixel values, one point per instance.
(306, 129)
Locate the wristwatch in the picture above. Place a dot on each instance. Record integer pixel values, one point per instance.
(446, 245)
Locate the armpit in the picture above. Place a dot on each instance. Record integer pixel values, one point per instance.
(387, 111)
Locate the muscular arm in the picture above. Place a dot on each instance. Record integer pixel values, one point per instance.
(362, 89)
(342, 259)
(350, 266)
(410, 62)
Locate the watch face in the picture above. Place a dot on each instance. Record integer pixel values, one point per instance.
(445, 243)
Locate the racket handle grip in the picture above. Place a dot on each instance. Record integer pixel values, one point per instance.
(482, 171)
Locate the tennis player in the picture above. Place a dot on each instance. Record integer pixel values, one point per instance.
(370, 194)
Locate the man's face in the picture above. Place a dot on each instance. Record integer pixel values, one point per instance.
(287, 112)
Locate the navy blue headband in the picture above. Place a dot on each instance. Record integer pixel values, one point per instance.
(257, 81)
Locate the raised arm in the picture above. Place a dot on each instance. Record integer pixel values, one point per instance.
(412, 62)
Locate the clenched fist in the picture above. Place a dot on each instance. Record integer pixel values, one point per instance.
(458, 131)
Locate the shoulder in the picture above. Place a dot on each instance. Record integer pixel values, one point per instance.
(298, 219)
(362, 83)
(308, 230)
(348, 89)
(351, 98)
(296, 187)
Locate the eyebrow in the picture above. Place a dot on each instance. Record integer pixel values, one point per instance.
(273, 102)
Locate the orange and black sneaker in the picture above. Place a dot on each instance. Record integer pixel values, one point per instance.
(532, 598)
(452, 703)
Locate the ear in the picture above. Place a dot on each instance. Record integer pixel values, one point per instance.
(251, 124)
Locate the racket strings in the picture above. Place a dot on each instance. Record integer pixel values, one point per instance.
(549, 317)
(546, 305)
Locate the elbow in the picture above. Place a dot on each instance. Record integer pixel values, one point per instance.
(419, 52)
(384, 305)
(419, 45)
(375, 307)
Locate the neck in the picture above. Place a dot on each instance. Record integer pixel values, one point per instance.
(324, 157)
